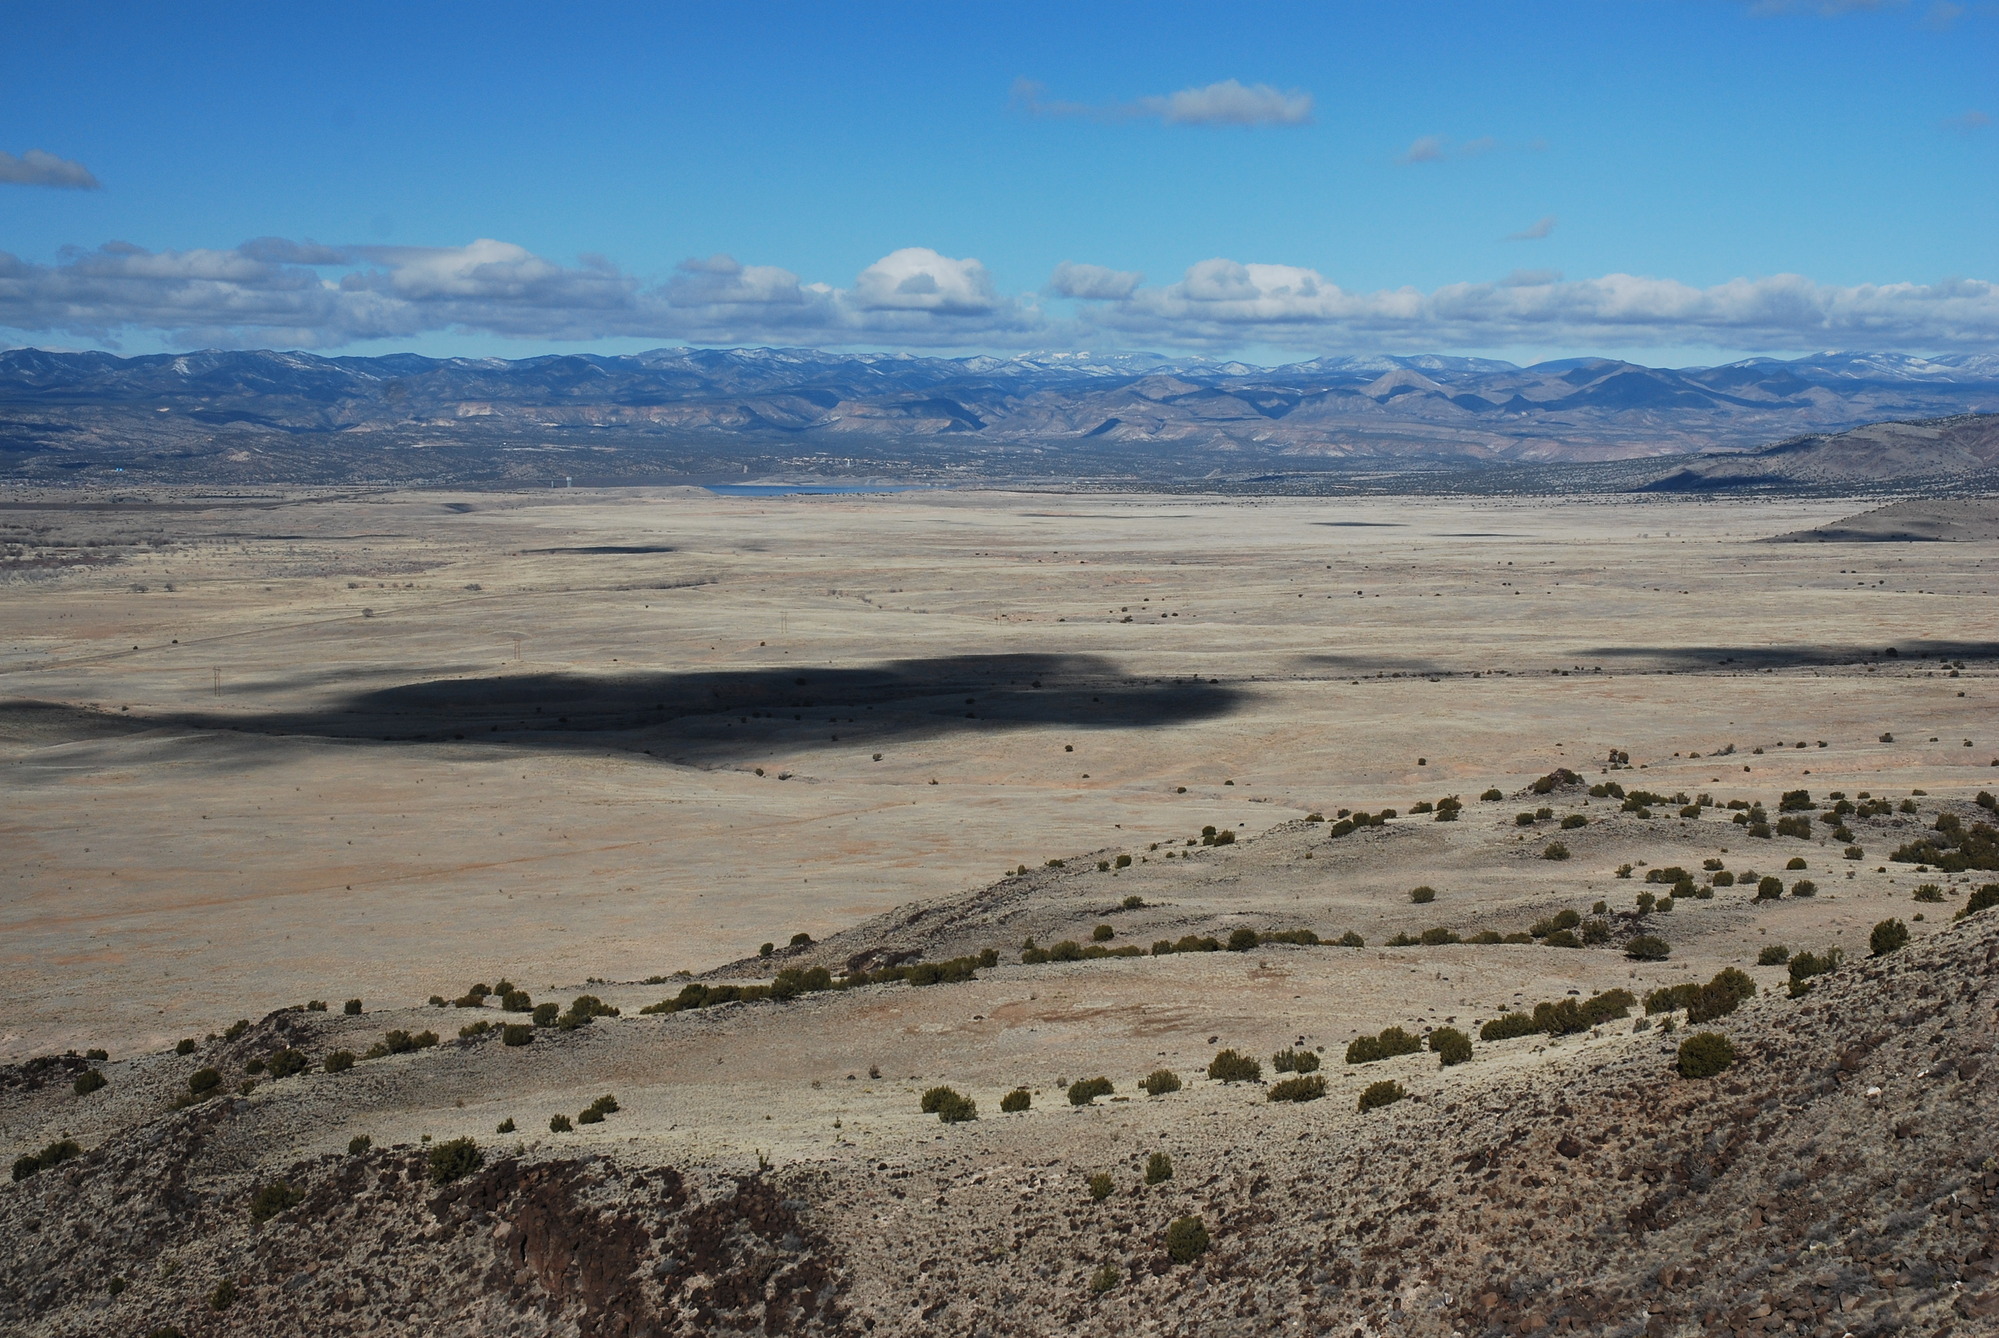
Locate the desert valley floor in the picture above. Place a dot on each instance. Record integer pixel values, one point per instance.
(264, 749)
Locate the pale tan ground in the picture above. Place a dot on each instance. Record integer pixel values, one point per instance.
(164, 881)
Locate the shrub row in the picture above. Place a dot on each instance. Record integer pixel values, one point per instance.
(1953, 847)
(1805, 965)
(1356, 821)
(1298, 1089)
(1239, 940)
(1561, 1017)
(55, 1154)
(794, 981)
(1391, 1042)
(1719, 997)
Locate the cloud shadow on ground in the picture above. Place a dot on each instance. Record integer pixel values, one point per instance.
(754, 714)
(1737, 658)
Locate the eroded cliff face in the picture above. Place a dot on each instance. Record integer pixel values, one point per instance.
(1839, 1178)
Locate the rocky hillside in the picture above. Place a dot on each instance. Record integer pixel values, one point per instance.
(1962, 450)
(1839, 1178)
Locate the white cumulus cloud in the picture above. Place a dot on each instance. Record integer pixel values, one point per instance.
(275, 291)
(1223, 304)
(1229, 102)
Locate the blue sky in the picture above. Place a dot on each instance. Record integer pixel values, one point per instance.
(1672, 182)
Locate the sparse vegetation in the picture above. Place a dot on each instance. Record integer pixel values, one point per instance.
(585, 1009)
(1561, 1017)
(352, 1008)
(358, 1145)
(1087, 1090)
(1705, 1054)
(1186, 1240)
(1887, 937)
(1555, 850)
(1563, 919)
(399, 1042)
(339, 1061)
(1106, 1278)
(1774, 954)
(1231, 1066)
(267, 1201)
(1384, 1093)
(559, 1124)
(1422, 896)
(55, 1154)
(1100, 1187)
(1719, 997)
(1392, 1041)
(1017, 1100)
(505, 1126)
(1648, 948)
(90, 1080)
(1298, 1089)
(1805, 965)
(1450, 1046)
(595, 1112)
(517, 1033)
(454, 1159)
(1295, 1061)
(1159, 1082)
(1158, 1169)
(1985, 898)
(1952, 847)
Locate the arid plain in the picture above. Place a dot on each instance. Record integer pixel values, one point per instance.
(189, 852)
(260, 750)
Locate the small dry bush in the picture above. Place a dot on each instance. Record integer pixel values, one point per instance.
(1384, 1093)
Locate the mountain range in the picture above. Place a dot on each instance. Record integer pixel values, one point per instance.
(701, 414)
